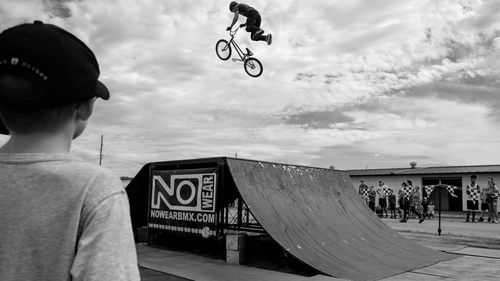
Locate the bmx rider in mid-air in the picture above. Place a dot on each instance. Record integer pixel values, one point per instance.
(253, 21)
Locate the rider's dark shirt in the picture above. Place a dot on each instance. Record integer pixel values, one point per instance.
(246, 10)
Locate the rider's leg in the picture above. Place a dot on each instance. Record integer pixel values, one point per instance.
(259, 37)
(268, 38)
(253, 26)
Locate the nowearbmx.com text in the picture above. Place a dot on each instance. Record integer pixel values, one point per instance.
(183, 216)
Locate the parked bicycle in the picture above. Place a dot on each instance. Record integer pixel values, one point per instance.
(252, 66)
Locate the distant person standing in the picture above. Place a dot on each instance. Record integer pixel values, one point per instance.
(484, 206)
(491, 194)
(416, 203)
(410, 188)
(425, 207)
(430, 210)
(382, 191)
(392, 203)
(363, 190)
(372, 195)
(473, 192)
(404, 200)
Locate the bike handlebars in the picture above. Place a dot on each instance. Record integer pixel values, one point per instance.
(232, 33)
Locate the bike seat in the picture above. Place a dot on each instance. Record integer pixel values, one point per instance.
(249, 52)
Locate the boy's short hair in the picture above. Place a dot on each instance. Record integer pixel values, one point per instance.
(43, 70)
(473, 177)
(23, 119)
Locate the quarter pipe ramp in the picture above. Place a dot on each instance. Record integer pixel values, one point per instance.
(318, 217)
(315, 214)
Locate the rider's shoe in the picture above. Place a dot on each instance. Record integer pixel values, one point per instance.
(269, 39)
(257, 34)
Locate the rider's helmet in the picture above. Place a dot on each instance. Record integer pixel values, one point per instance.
(232, 5)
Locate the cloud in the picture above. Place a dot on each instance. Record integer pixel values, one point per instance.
(429, 130)
(319, 119)
(342, 82)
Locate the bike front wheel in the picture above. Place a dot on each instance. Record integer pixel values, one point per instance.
(223, 49)
(253, 67)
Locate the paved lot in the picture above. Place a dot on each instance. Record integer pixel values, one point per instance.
(200, 268)
(462, 269)
(477, 246)
(153, 275)
(454, 232)
(449, 226)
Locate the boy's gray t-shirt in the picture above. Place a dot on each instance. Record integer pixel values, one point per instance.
(63, 219)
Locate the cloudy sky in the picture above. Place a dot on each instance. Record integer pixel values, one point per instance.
(354, 84)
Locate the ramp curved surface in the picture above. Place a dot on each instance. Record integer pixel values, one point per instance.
(318, 217)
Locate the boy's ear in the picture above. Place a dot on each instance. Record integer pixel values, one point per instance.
(85, 109)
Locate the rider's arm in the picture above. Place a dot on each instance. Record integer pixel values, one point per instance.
(235, 18)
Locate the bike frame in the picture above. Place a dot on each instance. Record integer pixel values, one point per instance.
(242, 55)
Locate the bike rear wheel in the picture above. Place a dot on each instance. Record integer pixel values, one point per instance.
(223, 49)
(253, 67)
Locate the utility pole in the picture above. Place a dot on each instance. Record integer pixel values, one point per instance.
(100, 151)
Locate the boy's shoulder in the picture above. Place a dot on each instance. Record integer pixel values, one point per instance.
(96, 179)
(70, 173)
(94, 183)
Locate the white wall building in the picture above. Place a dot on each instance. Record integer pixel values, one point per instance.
(451, 175)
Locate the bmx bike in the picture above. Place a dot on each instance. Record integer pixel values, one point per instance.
(252, 66)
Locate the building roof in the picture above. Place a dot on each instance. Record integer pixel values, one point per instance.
(427, 170)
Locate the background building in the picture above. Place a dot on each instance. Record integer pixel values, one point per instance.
(458, 176)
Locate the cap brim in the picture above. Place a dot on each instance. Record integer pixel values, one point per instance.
(102, 91)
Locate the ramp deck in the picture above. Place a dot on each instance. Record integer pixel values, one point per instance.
(318, 217)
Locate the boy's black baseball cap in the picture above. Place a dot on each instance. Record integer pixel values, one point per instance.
(60, 65)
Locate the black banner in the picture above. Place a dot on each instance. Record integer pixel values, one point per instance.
(183, 201)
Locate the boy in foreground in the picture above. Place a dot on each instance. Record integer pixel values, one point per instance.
(61, 218)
